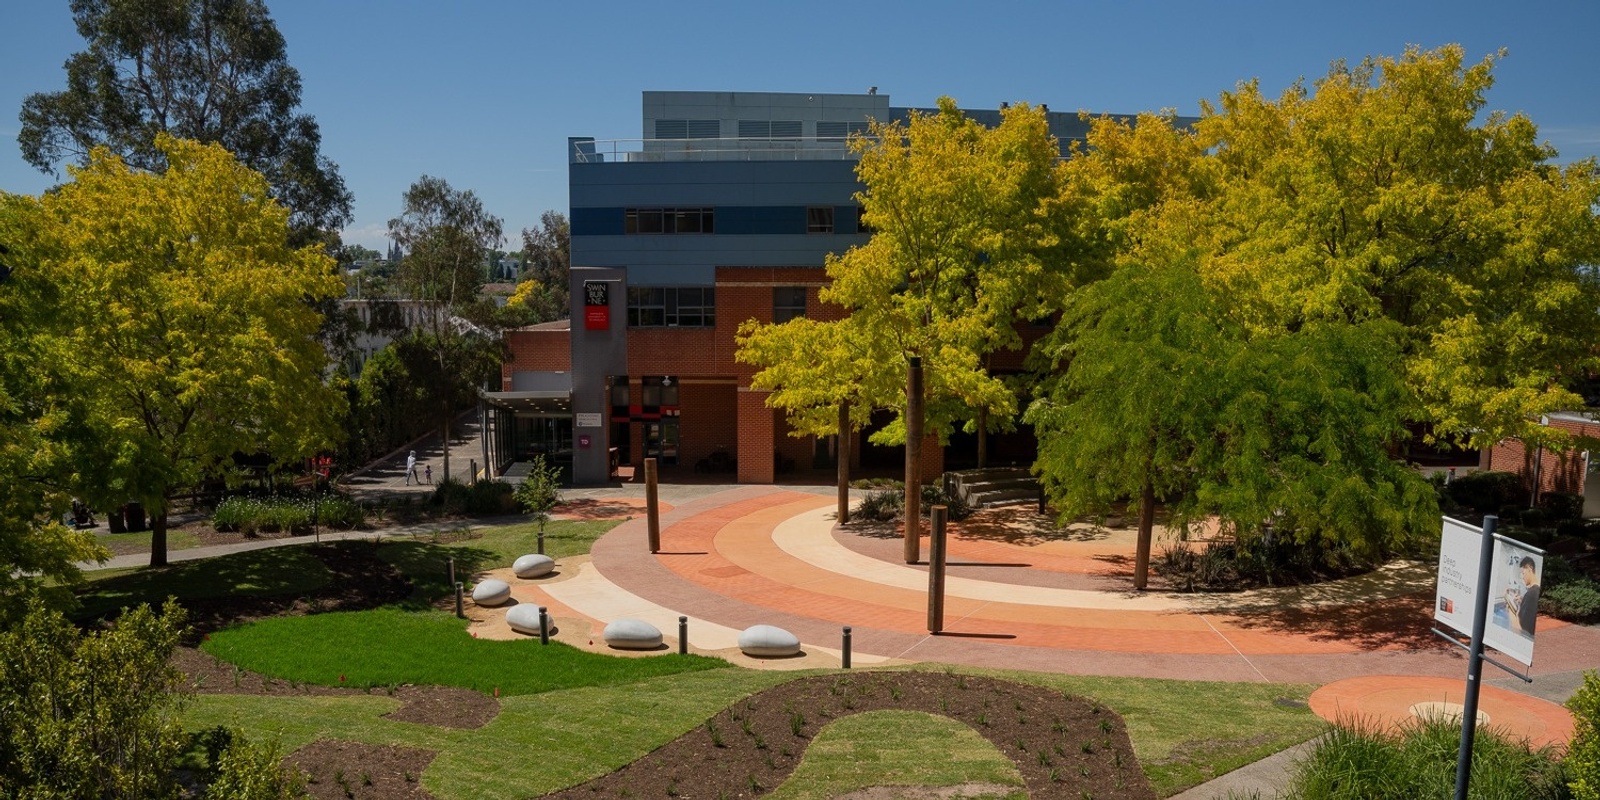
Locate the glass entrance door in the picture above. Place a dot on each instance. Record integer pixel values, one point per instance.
(661, 441)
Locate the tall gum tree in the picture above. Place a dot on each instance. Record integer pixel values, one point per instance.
(187, 332)
(446, 235)
(208, 70)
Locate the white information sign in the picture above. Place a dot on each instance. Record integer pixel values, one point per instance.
(1513, 589)
(588, 420)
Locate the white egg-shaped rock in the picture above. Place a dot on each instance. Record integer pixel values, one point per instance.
(533, 566)
(768, 641)
(524, 618)
(631, 634)
(491, 592)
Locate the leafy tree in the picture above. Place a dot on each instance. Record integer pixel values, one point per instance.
(1381, 195)
(547, 252)
(36, 548)
(207, 70)
(961, 250)
(90, 716)
(445, 233)
(186, 334)
(1583, 756)
(540, 491)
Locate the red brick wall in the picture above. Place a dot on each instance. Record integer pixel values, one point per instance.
(536, 351)
(755, 437)
(1559, 470)
(709, 421)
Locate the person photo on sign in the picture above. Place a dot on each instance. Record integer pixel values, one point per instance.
(1523, 606)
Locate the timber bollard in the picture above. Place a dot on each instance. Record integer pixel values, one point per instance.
(936, 560)
(651, 507)
(460, 612)
(474, 473)
(544, 626)
(683, 636)
(844, 652)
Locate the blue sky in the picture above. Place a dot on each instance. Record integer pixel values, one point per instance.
(484, 93)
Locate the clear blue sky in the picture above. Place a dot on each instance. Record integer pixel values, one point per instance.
(484, 93)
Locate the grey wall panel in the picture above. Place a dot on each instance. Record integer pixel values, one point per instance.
(596, 355)
(701, 183)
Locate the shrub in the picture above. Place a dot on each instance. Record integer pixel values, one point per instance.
(1488, 491)
(243, 771)
(1583, 754)
(235, 514)
(450, 496)
(90, 715)
(540, 491)
(1561, 506)
(889, 504)
(1419, 760)
(1574, 601)
(490, 497)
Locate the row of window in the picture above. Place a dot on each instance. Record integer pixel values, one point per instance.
(827, 130)
(696, 306)
(635, 221)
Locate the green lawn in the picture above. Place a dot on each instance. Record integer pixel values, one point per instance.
(586, 714)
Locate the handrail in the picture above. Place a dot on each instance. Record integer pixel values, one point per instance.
(594, 151)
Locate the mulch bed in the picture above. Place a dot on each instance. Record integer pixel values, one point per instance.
(1062, 746)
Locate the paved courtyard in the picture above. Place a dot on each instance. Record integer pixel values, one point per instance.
(1022, 597)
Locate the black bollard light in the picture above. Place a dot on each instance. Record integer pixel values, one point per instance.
(450, 567)
(683, 636)
(844, 652)
(544, 626)
(460, 612)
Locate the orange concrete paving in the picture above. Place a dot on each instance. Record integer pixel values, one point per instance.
(1022, 596)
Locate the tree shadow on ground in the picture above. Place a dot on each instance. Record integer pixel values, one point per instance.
(1393, 623)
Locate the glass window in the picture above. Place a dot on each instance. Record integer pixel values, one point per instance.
(672, 306)
(788, 302)
(666, 220)
(819, 219)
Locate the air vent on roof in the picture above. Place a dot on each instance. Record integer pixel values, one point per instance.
(705, 128)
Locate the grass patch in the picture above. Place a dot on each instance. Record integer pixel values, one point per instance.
(561, 726)
(896, 748)
(1188, 732)
(131, 543)
(391, 646)
(260, 573)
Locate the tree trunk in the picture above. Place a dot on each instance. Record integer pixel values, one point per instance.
(158, 536)
(913, 512)
(983, 439)
(1147, 520)
(842, 452)
(444, 474)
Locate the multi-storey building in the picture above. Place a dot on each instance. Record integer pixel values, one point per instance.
(723, 211)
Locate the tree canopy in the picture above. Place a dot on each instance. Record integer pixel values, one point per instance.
(1296, 279)
(207, 70)
(186, 330)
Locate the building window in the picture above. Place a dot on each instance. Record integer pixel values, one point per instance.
(619, 397)
(769, 129)
(688, 128)
(819, 219)
(667, 220)
(834, 131)
(861, 221)
(788, 302)
(672, 307)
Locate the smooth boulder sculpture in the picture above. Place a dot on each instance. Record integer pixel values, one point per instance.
(631, 634)
(524, 618)
(533, 566)
(768, 641)
(491, 592)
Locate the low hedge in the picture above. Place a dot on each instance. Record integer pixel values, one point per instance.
(251, 515)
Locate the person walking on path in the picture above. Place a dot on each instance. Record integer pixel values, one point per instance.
(411, 468)
(428, 470)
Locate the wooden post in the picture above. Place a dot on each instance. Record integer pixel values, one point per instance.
(936, 557)
(843, 453)
(652, 508)
(913, 504)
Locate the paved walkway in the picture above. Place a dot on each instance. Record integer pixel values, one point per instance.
(1017, 598)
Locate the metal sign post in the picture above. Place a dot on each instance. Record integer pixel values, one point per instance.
(1469, 704)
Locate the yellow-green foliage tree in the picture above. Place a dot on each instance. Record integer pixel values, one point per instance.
(186, 331)
(1364, 253)
(35, 547)
(960, 250)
